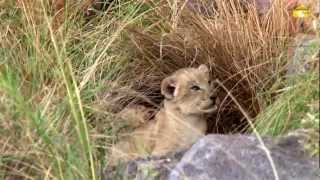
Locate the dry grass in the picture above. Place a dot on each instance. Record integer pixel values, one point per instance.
(241, 47)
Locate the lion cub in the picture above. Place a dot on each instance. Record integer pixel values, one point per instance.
(181, 120)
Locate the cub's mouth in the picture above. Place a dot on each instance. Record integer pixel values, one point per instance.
(209, 107)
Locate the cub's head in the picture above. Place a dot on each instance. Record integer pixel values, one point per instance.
(189, 90)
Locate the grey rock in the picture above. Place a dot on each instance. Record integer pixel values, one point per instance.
(225, 157)
(304, 54)
(241, 157)
(145, 168)
(210, 8)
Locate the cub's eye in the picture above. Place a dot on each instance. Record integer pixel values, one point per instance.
(195, 88)
(209, 82)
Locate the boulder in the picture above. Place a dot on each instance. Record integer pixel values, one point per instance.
(226, 157)
(145, 168)
(239, 157)
(304, 54)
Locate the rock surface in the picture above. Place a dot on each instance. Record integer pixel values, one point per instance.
(145, 168)
(304, 54)
(226, 157)
(238, 157)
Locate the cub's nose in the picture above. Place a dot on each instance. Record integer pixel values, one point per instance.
(213, 98)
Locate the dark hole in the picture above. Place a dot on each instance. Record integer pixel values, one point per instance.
(170, 89)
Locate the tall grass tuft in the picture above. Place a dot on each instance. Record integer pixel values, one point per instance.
(296, 109)
(241, 45)
(50, 127)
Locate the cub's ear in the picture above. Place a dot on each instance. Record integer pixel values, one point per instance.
(168, 87)
(203, 68)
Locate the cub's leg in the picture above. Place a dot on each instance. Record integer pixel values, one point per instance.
(136, 144)
(136, 115)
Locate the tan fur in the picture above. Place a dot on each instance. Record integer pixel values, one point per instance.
(179, 123)
(136, 115)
